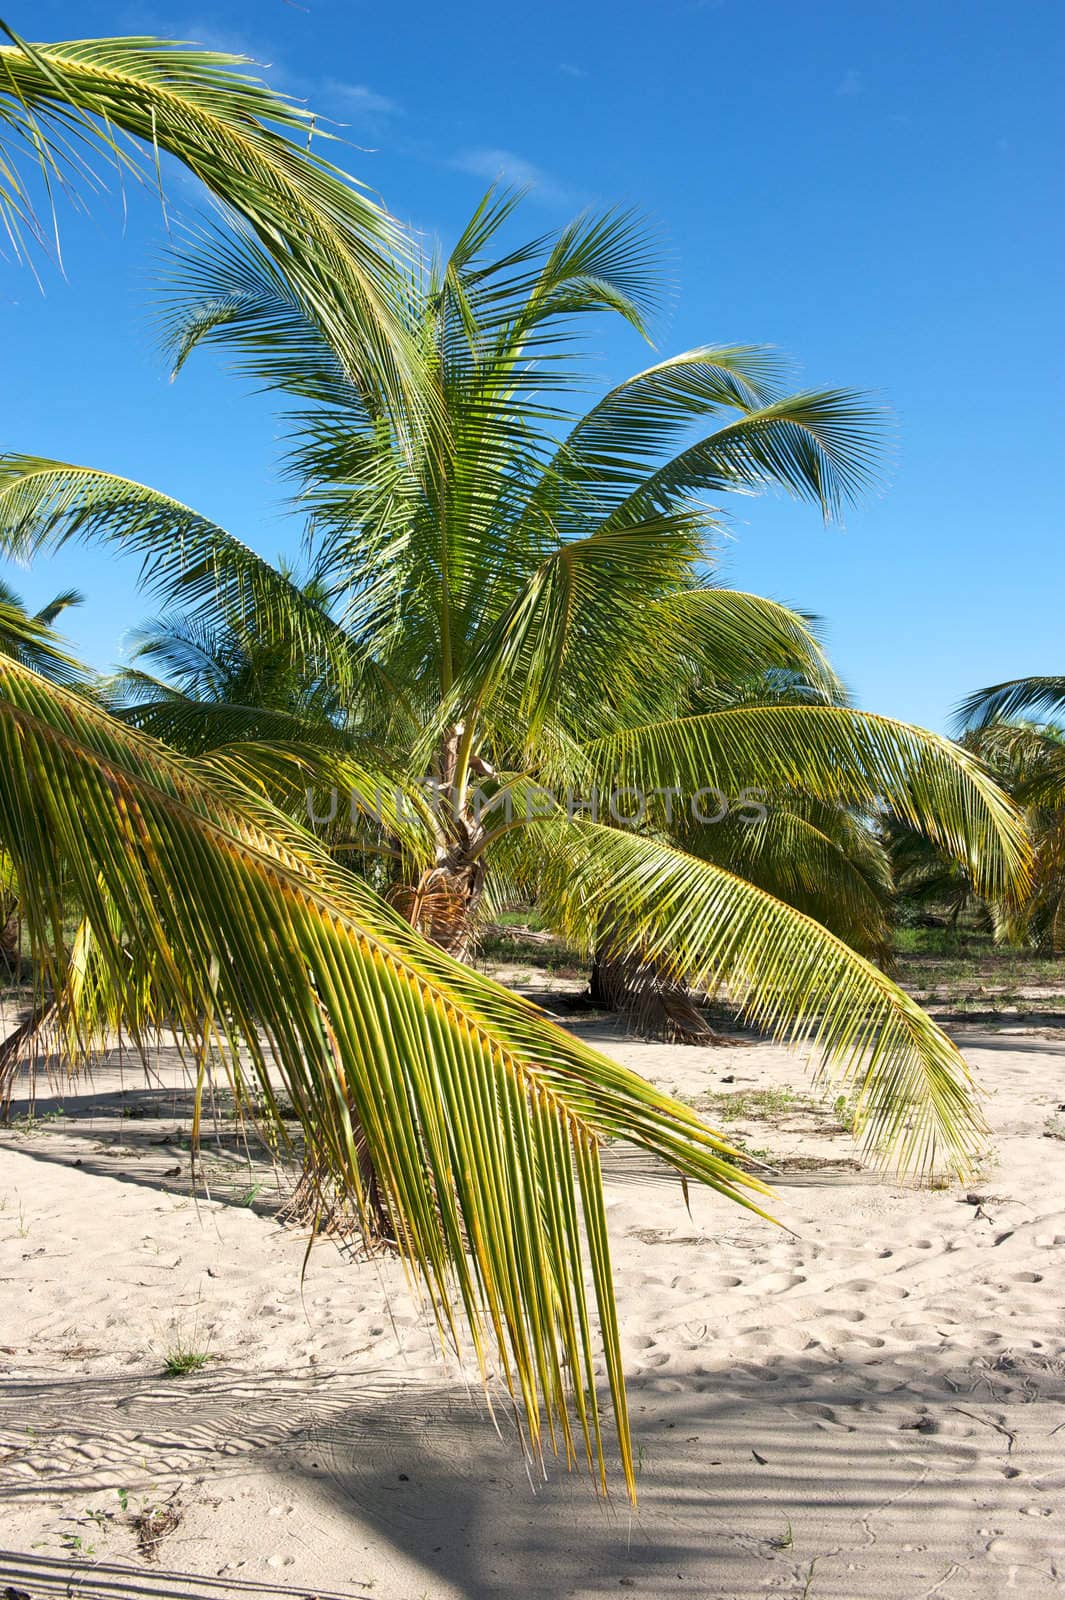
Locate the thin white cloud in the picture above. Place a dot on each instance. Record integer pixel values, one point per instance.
(570, 70)
(506, 166)
(361, 100)
(851, 83)
(227, 41)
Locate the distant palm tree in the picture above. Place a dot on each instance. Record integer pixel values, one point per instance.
(1011, 725)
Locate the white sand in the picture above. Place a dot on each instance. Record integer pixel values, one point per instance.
(869, 1406)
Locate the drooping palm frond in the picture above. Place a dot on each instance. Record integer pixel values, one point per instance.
(823, 860)
(831, 753)
(483, 1119)
(33, 641)
(705, 927)
(1040, 698)
(60, 103)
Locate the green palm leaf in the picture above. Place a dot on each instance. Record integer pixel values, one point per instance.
(831, 753)
(33, 641)
(1033, 697)
(483, 1120)
(44, 503)
(704, 926)
(336, 247)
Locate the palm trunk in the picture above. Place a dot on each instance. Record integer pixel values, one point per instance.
(444, 902)
(653, 1005)
(10, 935)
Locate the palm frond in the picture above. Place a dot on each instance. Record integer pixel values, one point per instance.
(337, 248)
(483, 1119)
(1018, 697)
(184, 556)
(820, 859)
(703, 926)
(821, 446)
(836, 754)
(31, 641)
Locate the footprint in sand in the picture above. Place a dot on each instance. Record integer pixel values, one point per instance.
(655, 1358)
(883, 1289)
(775, 1283)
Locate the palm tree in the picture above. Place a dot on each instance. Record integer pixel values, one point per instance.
(217, 679)
(484, 1119)
(521, 612)
(1011, 726)
(199, 904)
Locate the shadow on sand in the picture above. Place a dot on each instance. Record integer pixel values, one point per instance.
(750, 1480)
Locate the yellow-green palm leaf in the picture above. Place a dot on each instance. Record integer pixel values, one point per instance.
(704, 926)
(483, 1120)
(61, 102)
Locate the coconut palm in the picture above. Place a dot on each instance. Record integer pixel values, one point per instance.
(521, 615)
(201, 906)
(1012, 726)
(495, 592)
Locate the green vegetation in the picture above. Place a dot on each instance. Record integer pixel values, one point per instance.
(181, 1359)
(747, 1103)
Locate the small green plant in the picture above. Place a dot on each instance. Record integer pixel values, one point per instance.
(250, 1195)
(847, 1115)
(75, 1544)
(33, 1122)
(183, 1356)
(179, 1363)
(785, 1540)
(123, 1498)
(745, 1103)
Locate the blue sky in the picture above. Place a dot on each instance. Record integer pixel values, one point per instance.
(871, 185)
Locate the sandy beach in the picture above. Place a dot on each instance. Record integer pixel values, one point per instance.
(863, 1403)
